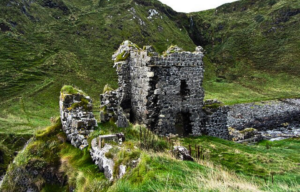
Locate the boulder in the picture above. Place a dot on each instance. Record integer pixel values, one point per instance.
(182, 153)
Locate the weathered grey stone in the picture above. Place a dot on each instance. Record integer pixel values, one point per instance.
(163, 92)
(98, 155)
(122, 170)
(77, 122)
(182, 153)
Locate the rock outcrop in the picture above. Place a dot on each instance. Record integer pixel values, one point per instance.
(264, 115)
(182, 153)
(265, 120)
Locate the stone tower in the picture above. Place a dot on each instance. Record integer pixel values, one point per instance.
(163, 92)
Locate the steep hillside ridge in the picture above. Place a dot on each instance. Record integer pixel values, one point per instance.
(251, 47)
(252, 43)
(47, 43)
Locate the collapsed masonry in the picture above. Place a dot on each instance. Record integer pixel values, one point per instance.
(163, 92)
(77, 118)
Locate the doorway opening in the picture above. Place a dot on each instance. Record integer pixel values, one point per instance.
(183, 124)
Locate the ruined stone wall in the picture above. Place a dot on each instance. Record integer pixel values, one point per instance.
(164, 88)
(163, 92)
(179, 93)
(215, 120)
(140, 76)
(77, 118)
(216, 123)
(109, 105)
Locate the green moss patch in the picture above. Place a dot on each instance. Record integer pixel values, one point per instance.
(122, 56)
(68, 89)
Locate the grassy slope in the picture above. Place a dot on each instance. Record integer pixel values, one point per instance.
(69, 42)
(252, 48)
(9, 145)
(45, 46)
(227, 166)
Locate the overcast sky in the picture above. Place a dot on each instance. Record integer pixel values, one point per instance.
(188, 6)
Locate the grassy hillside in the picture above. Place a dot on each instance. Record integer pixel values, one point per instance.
(46, 44)
(225, 165)
(253, 49)
(252, 53)
(9, 146)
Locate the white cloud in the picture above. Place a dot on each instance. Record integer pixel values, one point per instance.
(194, 5)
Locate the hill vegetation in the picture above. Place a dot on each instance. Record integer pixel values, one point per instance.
(252, 54)
(50, 163)
(252, 50)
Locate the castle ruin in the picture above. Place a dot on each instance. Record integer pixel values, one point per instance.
(164, 93)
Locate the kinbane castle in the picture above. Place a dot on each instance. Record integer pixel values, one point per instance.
(163, 92)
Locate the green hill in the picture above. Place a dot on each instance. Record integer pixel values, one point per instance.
(45, 44)
(252, 54)
(252, 50)
(252, 44)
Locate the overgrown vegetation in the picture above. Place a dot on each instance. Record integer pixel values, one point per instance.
(225, 165)
(259, 163)
(10, 144)
(68, 89)
(252, 54)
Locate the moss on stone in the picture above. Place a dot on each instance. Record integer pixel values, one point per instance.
(107, 88)
(213, 106)
(247, 130)
(134, 45)
(70, 90)
(109, 155)
(122, 56)
(83, 103)
(172, 49)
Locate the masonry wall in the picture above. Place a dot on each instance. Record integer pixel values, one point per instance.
(166, 92)
(216, 123)
(163, 92)
(77, 121)
(140, 77)
(178, 94)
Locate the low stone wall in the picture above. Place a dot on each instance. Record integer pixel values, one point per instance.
(105, 164)
(77, 118)
(98, 154)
